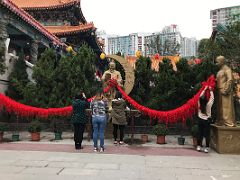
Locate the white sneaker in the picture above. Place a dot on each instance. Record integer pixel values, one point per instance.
(95, 149)
(101, 150)
(206, 150)
(199, 148)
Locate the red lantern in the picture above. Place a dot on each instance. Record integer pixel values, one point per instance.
(198, 61)
(157, 56)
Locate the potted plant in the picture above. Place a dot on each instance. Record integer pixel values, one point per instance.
(144, 138)
(160, 130)
(181, 139)
(57, 126)
(3, 128)
(194, 132)
(35, 128)
(15, 135)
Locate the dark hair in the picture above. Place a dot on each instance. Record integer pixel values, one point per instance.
(118, 95)
(203, 103)
(79, 96)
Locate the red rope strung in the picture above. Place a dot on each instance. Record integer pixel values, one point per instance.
(23, 110)
(182, 113)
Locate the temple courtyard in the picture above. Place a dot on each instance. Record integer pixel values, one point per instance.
(50, 159)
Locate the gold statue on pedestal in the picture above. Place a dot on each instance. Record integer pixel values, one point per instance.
(112, 73)
(226, 113)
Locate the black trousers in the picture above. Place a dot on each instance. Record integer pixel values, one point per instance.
(115, 131)
(78, 133)
(203, 131)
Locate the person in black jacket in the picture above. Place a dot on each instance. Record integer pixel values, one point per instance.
(79, 118)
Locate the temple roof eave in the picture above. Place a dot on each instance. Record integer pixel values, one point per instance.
(45, 4)
(30, 20)
(70, 30)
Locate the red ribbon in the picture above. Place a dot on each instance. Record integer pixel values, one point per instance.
(181, 113)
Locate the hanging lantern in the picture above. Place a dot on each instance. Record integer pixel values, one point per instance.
(69, 49)
(157, 56)
(138, 54)
(198, 61)
(102, 56)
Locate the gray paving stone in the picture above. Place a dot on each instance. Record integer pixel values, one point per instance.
(75, 166)
(11, 169)
(191, 177)
(30, 163)
(35, 177)
(4, 162)
(227, 177)
(66, 164)
(101, 166)
(120, 174)
(44, 170)
(78, 171)
(139, 167)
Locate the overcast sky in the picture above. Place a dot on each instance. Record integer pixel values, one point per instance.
(123, 17)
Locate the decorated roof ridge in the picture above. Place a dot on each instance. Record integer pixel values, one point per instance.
(44, 4)
(30, 20)
(67, 29)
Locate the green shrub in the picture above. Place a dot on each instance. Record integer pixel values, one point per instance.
(160, 130)
(3, 127)
(34, 126)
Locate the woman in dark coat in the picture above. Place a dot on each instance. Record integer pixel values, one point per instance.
(79, 118)
(118, 116)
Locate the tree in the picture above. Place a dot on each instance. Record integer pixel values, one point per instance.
(57, 84)
(172, 89)
(18, 79)
(226, 42)
(143, 76)
(203, 48)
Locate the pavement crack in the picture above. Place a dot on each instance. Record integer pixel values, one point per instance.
(60, 171)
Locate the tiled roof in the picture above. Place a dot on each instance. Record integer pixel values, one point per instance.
(65, 30)
(29, 19)
(44, 4)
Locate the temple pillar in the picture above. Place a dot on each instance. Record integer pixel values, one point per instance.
(3, 39)
(3, 33)
(34, 51)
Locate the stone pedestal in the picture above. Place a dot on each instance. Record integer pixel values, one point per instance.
(225, 140)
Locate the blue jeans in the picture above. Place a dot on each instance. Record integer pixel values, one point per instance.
(99, 123)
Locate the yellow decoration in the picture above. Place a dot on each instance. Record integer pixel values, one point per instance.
(102, 56)
(69, 49)
(176, 59)
(138, 54)
(74, 53)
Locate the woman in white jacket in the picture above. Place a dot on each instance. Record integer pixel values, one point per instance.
(204, 115)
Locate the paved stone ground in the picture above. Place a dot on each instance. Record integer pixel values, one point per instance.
(27, 160)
